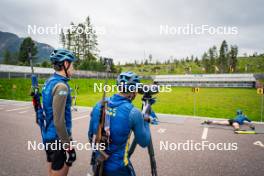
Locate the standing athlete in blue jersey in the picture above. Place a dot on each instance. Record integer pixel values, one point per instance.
(239, 120)
(57, 107)
(124, 119)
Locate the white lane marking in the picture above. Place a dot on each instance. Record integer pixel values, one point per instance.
(259, 143)
(161, 130)
(15, 103)
(22, 112)
(81, 117)
(3, 105)
(81, 111)
(9, 110)
(205, 132)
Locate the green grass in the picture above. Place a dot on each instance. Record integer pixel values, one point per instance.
(210, 102)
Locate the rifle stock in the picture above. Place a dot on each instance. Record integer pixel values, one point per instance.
(102, 136)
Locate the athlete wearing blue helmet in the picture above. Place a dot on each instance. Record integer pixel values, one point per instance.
(239, 112)
(57, 107)
(236, 122)
(62, 59)
(130, 78)
(127, 83)
(124, 119)
(60, 55)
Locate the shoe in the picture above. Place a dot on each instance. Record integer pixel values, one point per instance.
(207, 122)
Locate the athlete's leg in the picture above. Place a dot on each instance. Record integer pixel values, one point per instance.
(250, 125)
(220, 122)
(57, 160)
(216, 122)
(235, 126)
(49, 168)
(62, 172)
(131, 169)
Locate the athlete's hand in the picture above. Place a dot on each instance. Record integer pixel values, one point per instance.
(70, 156)
(154, 121)
(152, 101)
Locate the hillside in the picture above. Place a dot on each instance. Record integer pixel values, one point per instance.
(245, 65)
(11, 42)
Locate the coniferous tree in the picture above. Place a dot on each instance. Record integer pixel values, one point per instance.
(233, 58)
(212, 52)
(27, 46)
(223, 57)
(206, 62)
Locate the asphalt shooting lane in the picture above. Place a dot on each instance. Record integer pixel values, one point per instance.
(170, 139)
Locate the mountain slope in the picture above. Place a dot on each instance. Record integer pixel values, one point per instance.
(11, 42)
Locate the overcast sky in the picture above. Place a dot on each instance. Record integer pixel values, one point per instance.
(131, 29)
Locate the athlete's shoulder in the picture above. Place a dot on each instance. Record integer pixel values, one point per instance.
(135, 111)
(60, 85)
(134, 116)
(53, 81)
(60, 89)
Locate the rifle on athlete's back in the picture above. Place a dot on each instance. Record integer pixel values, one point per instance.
(103, 131)
(36, 96)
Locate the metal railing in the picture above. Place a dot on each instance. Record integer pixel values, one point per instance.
(13, 71)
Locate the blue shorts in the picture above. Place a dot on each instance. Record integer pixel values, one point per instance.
(125, 171)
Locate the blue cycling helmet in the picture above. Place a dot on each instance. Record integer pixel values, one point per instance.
(60, 55)
(128, 80)
(239, 112)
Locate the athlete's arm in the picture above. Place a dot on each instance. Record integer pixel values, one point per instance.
(153, 114)
(247, 119)
(60, 93)
(140, 127)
